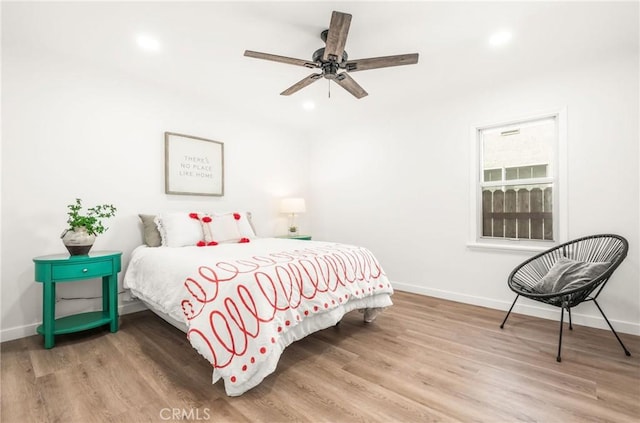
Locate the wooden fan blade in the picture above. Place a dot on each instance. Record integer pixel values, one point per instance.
(337, 36)
(281, 59)
(348, 83)
(381, 62)
(302, 83)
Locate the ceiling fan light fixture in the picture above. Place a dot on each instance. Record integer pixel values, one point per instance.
(331, 58)
(148, 43)
(500, 38)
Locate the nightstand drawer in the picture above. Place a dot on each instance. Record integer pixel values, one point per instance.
(82, 270)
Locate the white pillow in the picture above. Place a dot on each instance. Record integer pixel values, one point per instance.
(179, 229)
(244, 225)
(225, 227)
(220, 228)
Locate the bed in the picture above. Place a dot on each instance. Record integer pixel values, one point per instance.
(242, 303)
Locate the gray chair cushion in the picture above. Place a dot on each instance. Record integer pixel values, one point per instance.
(567, 274)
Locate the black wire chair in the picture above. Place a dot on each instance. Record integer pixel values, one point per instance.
(596, 248)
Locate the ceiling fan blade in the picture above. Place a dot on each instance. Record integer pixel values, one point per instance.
(302, 83)
(337, 36)
(381, 62)
(348, 83)
(281, 59)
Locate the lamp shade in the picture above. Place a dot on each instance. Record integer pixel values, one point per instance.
(292, 205)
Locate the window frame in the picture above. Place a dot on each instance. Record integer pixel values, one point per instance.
(559, 180)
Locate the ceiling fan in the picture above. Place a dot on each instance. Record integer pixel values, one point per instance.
(333, 58)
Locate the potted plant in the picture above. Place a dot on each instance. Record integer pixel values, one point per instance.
(83, 228)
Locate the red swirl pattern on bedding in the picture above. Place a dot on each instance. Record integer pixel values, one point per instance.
(239, 311)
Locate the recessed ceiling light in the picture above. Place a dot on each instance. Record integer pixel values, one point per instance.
(500, 38)
(308, 105)
(147, 43)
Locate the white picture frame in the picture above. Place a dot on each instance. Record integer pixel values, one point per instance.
(193, 165)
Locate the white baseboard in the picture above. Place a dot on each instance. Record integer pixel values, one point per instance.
(29, 330)
(523, 306)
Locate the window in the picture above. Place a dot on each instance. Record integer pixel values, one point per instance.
(516, 181)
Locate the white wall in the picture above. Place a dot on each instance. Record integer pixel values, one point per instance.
(71, 130)
(400, 186)
(395, 179)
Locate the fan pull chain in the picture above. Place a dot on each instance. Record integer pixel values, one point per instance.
(329, 81)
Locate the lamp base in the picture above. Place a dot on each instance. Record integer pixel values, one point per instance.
(293, 231)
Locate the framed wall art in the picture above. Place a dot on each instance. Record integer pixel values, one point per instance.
(193, 165)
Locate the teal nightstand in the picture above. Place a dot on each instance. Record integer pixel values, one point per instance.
(303, 237)
(62, 268)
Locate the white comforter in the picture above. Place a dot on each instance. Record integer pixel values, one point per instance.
(244, 303)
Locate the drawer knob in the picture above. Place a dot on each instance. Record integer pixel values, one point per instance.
(85, 270)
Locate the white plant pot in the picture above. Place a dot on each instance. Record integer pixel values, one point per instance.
(78, 241)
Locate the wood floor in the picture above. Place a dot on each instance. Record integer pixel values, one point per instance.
(424, 359)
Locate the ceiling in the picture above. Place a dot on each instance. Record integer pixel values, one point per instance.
(202, 45)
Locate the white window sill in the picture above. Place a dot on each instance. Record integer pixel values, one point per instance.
(511, 248)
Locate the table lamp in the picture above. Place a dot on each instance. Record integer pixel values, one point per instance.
(292, 206)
